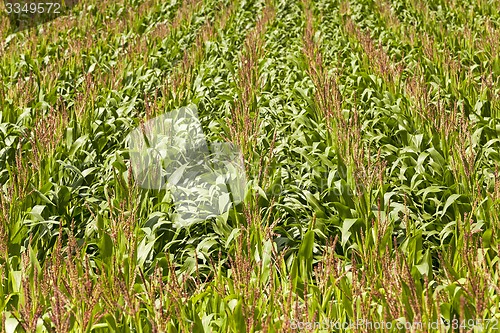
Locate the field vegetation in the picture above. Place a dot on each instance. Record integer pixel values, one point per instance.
(370, 137)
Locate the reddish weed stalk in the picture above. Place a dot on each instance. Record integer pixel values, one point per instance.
(384, 67)
(327, 93)
(180, 80)
(245, 121)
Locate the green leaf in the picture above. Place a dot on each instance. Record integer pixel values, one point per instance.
(346, 227)
(11, 324)
(451, 200)
(106, 246)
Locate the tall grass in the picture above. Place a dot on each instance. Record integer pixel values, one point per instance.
(370, 145)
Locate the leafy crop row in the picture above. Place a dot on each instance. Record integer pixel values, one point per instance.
(370, 141)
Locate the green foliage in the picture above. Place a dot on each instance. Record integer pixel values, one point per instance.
(370, 136)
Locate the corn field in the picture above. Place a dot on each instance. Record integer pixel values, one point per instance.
(364, 137)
